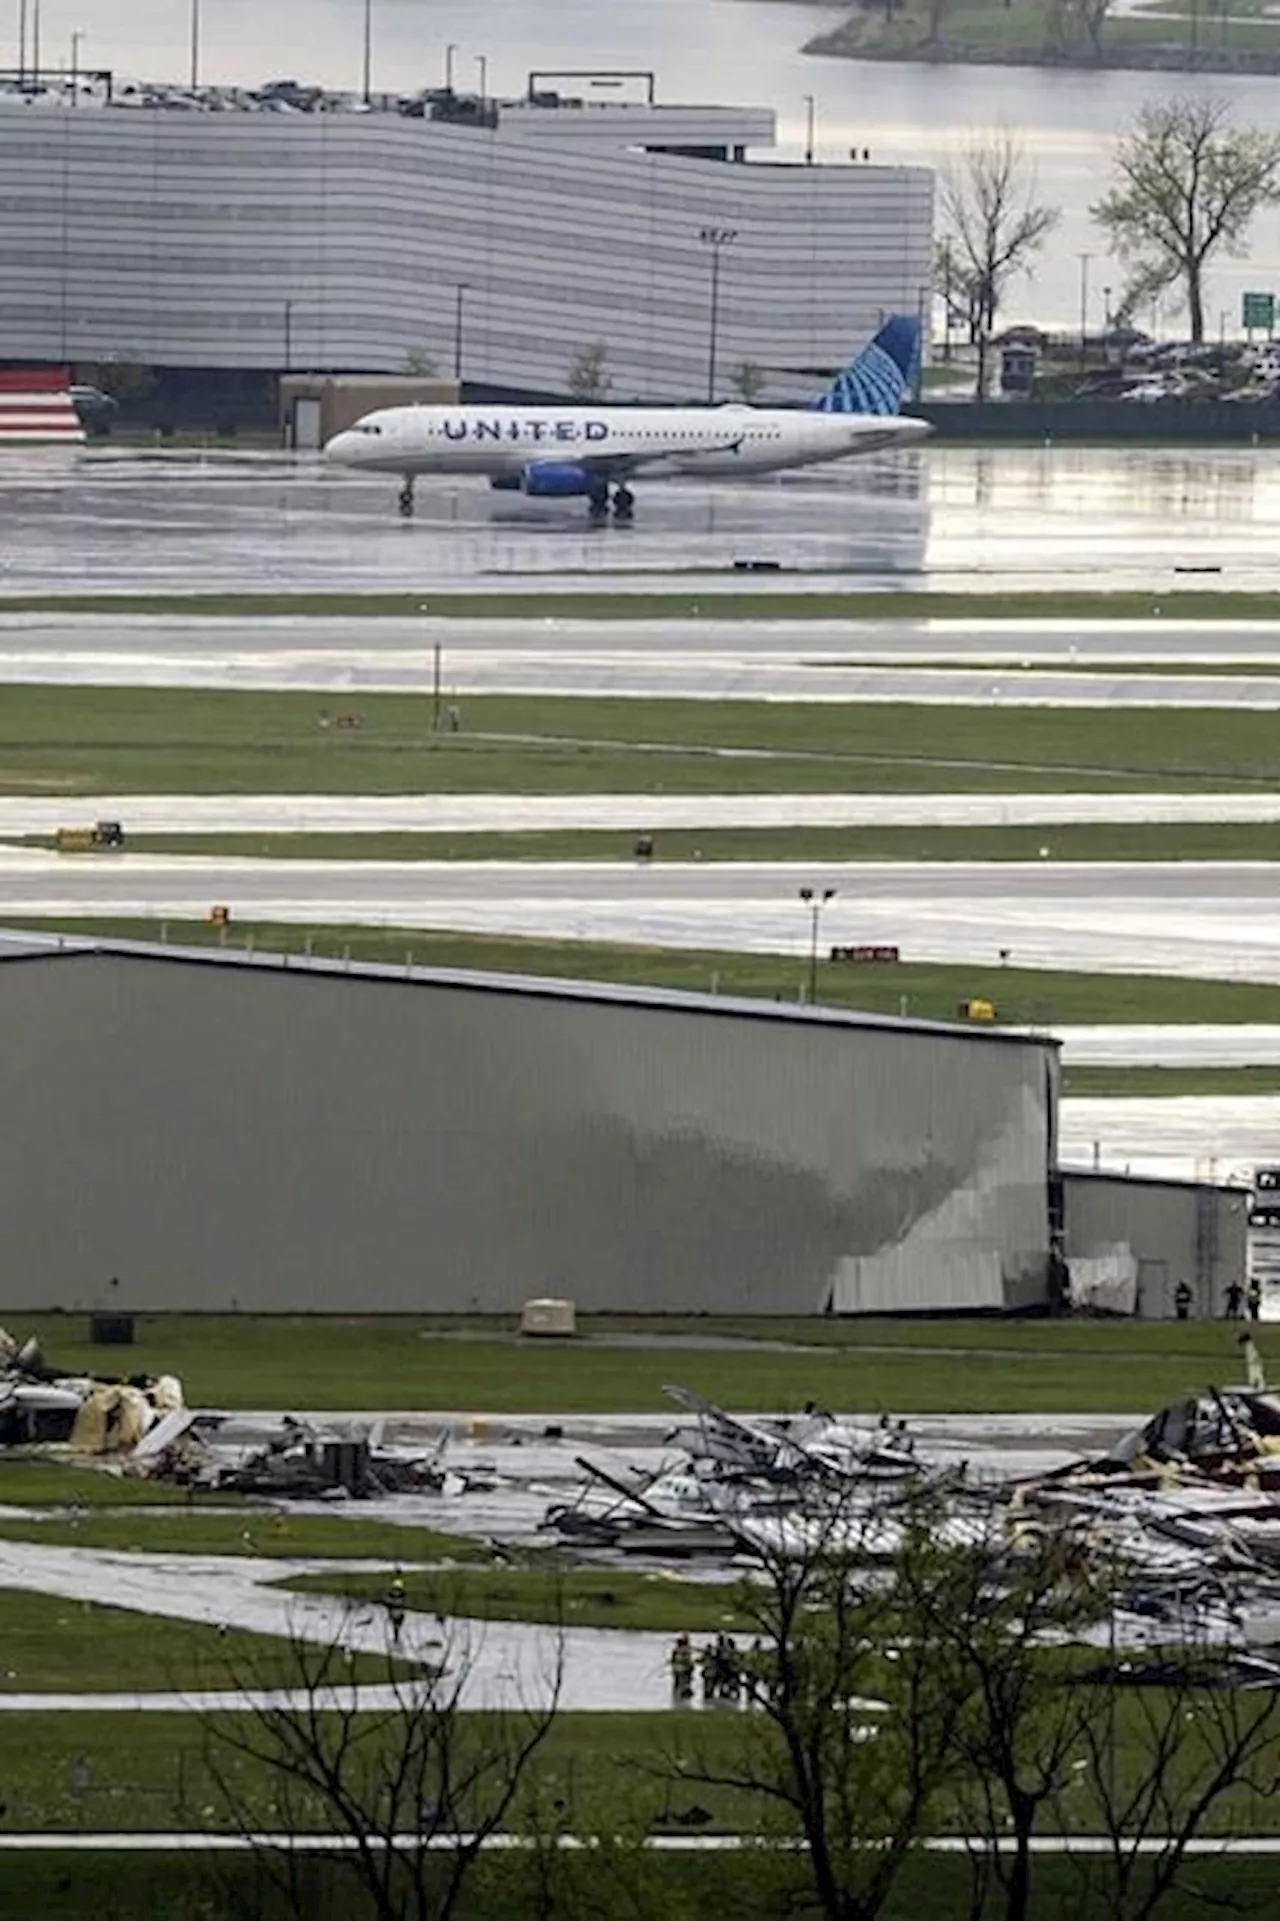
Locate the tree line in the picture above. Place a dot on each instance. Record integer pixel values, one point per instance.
(929, 1667)
(1185, 186)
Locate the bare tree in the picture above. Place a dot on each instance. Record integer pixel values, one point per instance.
(414, 1784)
(1011, 1608)
(1197, 1740)
(1187, 186)
(852, 1738)
(747, 379)
(589, 378)
(994, 226)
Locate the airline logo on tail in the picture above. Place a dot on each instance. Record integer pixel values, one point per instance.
(876, 380)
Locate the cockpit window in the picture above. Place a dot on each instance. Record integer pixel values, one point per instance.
(366, 427)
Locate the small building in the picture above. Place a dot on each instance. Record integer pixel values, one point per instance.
(1132, 1240)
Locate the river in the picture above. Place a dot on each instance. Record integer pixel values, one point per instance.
(743, 51)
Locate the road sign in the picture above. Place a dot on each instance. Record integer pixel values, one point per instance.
(1258, 310)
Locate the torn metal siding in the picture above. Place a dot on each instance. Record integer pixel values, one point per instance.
(254, 1137)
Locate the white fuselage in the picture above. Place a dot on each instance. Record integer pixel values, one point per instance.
(505, 442)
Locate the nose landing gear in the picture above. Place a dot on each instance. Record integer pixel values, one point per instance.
(406, 498)
(624, 504)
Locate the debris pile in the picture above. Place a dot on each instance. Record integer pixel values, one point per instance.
(92, 1413)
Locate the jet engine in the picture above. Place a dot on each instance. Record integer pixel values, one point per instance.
(556, 478)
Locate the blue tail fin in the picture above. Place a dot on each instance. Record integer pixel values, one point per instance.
(875, 380)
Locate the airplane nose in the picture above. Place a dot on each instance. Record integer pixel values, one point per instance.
(339, 448)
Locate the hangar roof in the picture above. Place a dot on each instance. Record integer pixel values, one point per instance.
(18, 945)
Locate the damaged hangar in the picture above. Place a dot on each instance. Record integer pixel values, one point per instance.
(208, 1129)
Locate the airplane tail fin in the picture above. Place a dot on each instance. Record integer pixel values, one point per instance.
(876, 379)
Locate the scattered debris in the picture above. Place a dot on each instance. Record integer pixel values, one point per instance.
(92, 1413)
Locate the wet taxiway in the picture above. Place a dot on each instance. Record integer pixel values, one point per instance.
(1216, 920)
(1176, 1137)
(1060, 663)
(112, 520)
(626, 813)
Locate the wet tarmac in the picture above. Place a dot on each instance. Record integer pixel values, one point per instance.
(628, 813)
(969, 518)
(1245, 1044)
(1178, 1137)
(1216, 920)
(1043, 663)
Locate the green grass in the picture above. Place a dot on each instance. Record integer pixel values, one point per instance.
(986, 1366)
(1142, 1082)
(159, 1887)
(271, 1533)
(1031, 32)
(81, 741)
(1211, 840)
(574, 1597)
(697, 603)
(33, 1481)
(925, 991)
(49, 1645)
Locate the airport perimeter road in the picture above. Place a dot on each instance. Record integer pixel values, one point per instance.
(627, 813)
(1201, 919)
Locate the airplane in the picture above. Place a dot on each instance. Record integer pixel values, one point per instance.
(594, 451)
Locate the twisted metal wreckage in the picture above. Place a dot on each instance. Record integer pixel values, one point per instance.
(1183, 1513)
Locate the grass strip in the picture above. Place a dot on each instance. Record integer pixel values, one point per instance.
(54, 1645)
(697, 602)
(67, 1886)
(572, 1597)
(1141, 1083)
(121, 740)
(1084, 841)
(1022, 997)
(862, 1366)
(271, 1533)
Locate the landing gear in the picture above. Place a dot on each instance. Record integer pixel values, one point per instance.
(624, 504)
(406, 498)
(598, 504)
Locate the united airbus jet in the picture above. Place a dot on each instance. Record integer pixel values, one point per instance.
(597, 451)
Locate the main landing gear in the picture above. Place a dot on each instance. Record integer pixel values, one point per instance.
(624, 504)
(406, 498)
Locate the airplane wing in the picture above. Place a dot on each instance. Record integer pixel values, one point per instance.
(619, 463)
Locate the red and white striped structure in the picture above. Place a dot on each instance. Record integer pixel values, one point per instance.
(36, 406)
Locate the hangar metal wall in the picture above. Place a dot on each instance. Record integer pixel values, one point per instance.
(224, 1134)
(1177, 1230)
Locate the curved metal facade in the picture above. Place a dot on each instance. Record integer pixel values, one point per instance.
(222, 1133)
(339, 241)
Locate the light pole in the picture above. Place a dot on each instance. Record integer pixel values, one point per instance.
(35, 44)
(716, 238)
(195, 44)
(449, 52)
(815, 899)
(483, 64)
(1085, 258)
(460, 291)
(288, 335)
(368, 51)
(77, 36)
(22, 44)
(810, 106)
(1106, 310)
